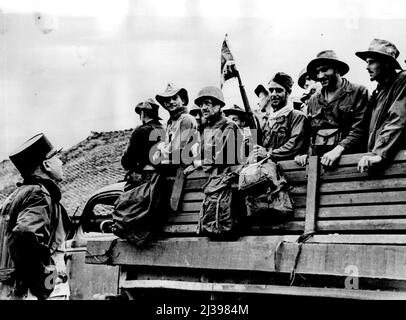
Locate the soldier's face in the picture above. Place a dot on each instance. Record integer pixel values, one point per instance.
(278, 95)
(173, 103)
(53, 167)
(327, 76)
(198, 117)
(308, 82)
(375, 69)
(210, 110)
(236, 119)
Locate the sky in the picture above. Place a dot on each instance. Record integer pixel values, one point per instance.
(69, 67)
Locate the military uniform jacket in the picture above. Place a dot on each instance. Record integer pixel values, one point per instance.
(136, 155)
(180, 130)
(37, 227)
(287, 137)
(219, 145)
(345, 111)
(387, 129)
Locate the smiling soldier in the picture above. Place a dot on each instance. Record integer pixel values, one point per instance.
(336, 112)
(285, 131)
(181, 127)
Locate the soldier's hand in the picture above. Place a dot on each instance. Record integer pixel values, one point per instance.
(330, 157)
(189, 169)
(259, 152)
(301, 159)
(367, 161)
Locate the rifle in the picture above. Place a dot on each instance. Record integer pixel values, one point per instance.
(252, 121)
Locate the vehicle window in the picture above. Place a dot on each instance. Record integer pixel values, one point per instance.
(100, 211)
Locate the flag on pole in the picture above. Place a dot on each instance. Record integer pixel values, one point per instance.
(228, 70)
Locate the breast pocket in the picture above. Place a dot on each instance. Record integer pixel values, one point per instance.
(344, 112)
(281, 134)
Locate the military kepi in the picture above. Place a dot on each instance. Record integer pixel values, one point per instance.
(31, 153)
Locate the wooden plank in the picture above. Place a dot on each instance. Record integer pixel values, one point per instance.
(184, 218)
(190, 206)
(192, 217)
(194, 206)
(197, 174)
(195, 184)
(290, 165)
(184, 229)
(344, 226)
(352, 159)
(177, 189)
(190, 196)
(366, 239)
(264, 289)
(376, 262)
(348, 173)
(377, 225)
(370, 211)
(312, 194)
(190, 229)
(193, 196)
(364, 185)
(383, 198)
(296, 176)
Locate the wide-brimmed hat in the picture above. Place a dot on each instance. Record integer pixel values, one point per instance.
(328, 57)
(150, 105)
(27, 157)
(210, 92)
(234, 109)
(381, 48)
(260, 88)
(170, 91)
(302, 78)
(194, 109)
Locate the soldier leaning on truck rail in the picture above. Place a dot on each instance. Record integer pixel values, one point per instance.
(387, 107)
(38, 223)
(284, 131)
(336, 112)
(136, 159)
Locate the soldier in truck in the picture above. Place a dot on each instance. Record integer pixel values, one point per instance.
(387, 108)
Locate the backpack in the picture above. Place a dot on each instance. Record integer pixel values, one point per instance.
(270, 195)
(218, 217)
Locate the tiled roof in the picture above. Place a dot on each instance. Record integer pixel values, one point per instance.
(91, 164)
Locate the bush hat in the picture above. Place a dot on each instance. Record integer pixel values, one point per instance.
(151, 105)
(194, 110)
(260, 88)
(381, 48)
(302, 78)
(170, 91)
(235, 110)
(328, 57)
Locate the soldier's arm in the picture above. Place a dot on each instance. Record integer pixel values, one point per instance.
(357, 128)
